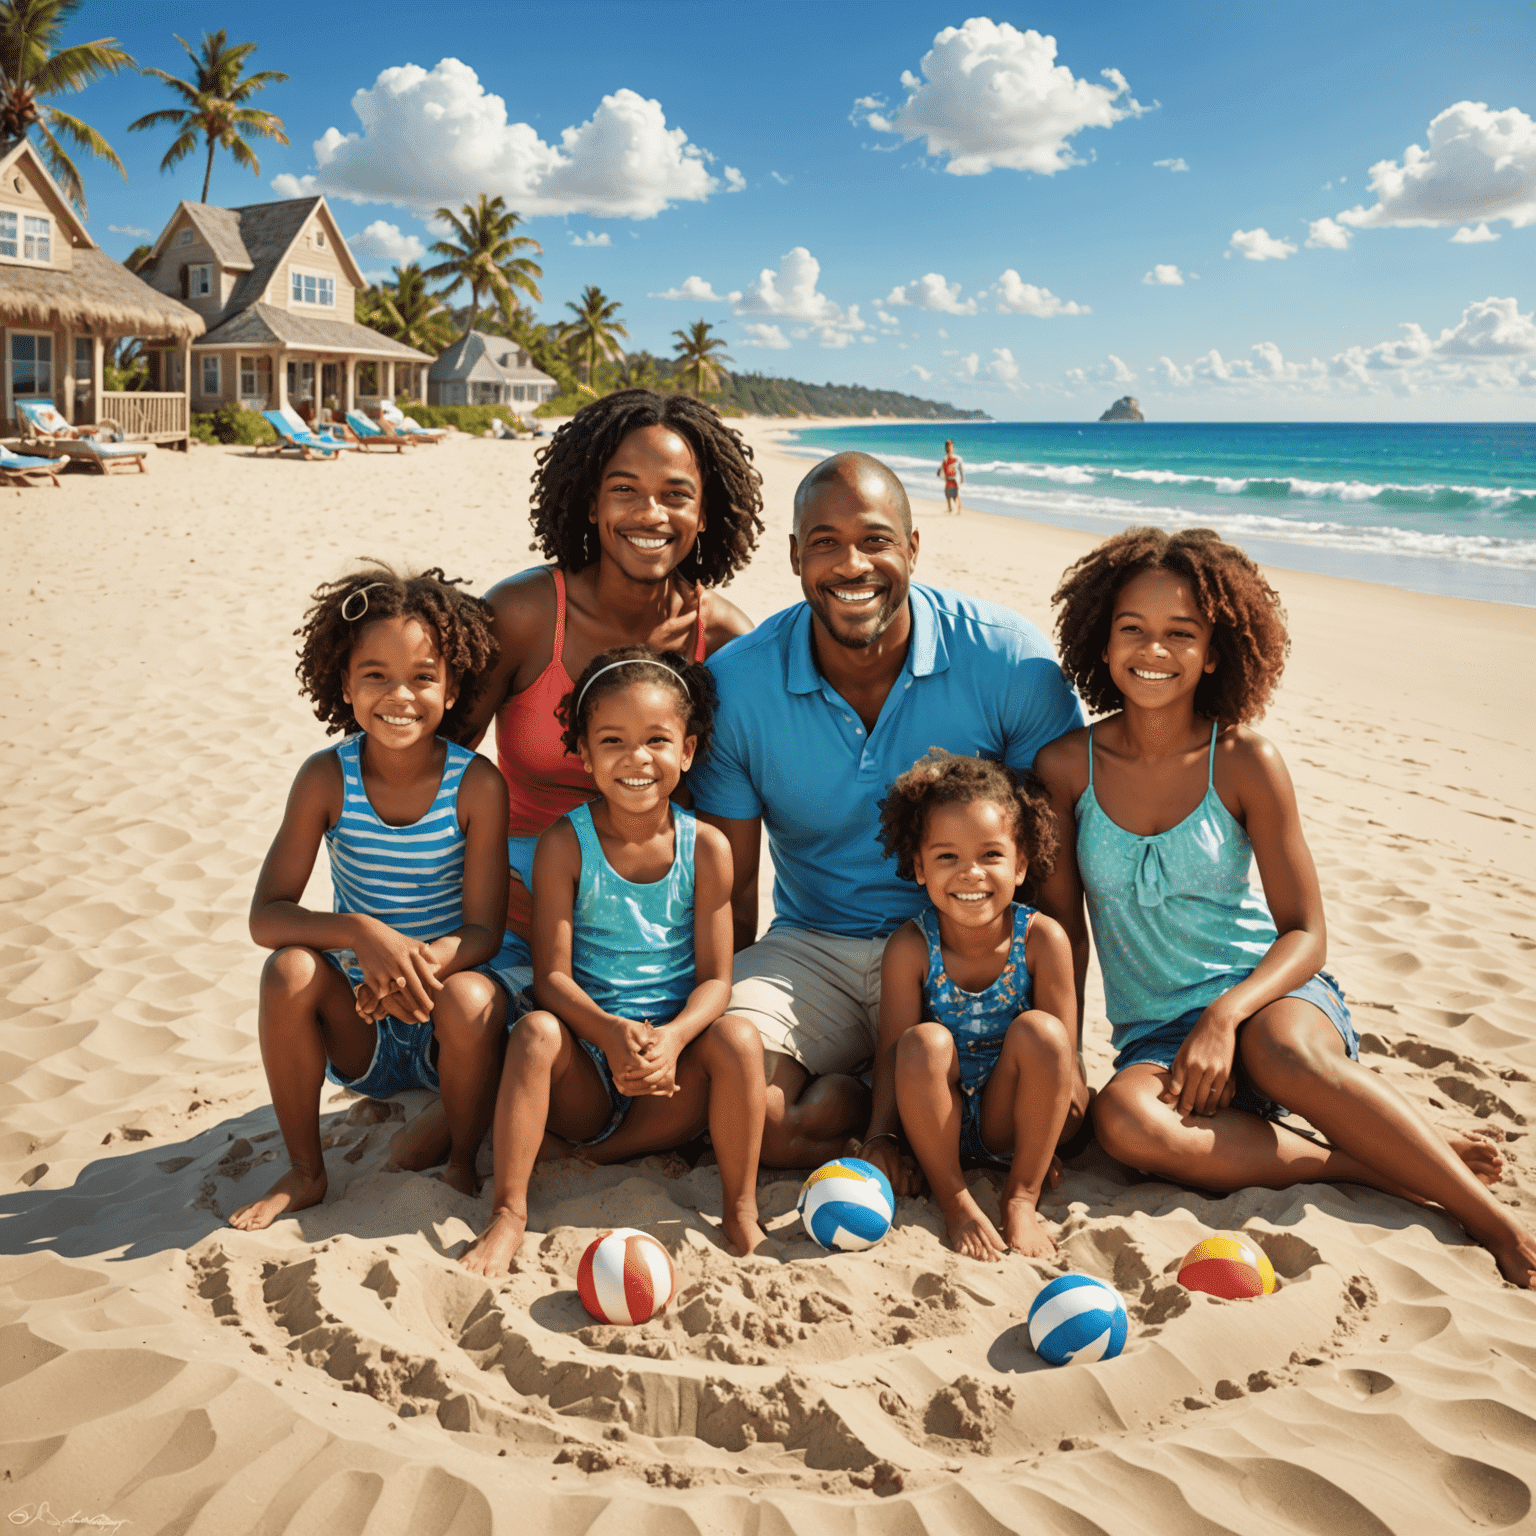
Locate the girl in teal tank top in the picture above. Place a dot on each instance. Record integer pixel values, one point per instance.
(1218, 1005)
(628, 1052)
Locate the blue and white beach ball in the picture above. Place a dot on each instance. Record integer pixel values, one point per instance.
(1077, 1318)
(847, 1204)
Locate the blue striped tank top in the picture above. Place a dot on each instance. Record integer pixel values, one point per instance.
(632, 945)
(410, 877)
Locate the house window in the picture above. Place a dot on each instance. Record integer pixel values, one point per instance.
(320, 239)
(32, 365)
(211, 383)
(8, 222)
(37, 238)
(200, 281)
(310, 289)
(186, 237)
(255, 382)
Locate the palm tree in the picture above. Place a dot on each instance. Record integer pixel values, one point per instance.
(486, 256)
(32, 65)
(700, 353)
(591, 334)
(216, 105)
(641, 371)
(405, 310)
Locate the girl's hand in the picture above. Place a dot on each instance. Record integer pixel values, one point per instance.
(401, 973)
(1200, 1081)
(658, 1075)
(629, 1051)
(368, 1004)
(885, 1154)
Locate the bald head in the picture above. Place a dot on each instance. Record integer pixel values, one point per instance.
(872, 482)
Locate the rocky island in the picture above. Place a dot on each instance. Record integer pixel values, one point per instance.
(1126, 408)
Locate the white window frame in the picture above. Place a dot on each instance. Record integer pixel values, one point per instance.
(324, 283)
(319, 239)
(203, 273)
(218, 375)
(46, 392)
(10, 234)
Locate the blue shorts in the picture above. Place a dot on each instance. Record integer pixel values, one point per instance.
(619, 1101)
(971, 1144)
(1161, 1045)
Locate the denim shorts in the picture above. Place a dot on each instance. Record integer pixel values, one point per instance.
(619, 1101)
(971, 1144)
(1159, 1046)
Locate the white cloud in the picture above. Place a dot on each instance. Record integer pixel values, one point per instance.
(1016, 297)
(1171, 165)
(884, 318)
(783, 181)
(435, 137)
(1165, 275)
(790, 293)
(1002, 367)
(944, 335)
(932, 292)
(592, 238)
(1260, 245)
(387, 242)
(921, 372)
(969, 364)
(1324, 234)
(994, 97)
(1111, 371)
(734, 180)
(693, 289)
(769, 336)
(130, 229)
(1480, 164)
(1479, 236)
(1490, 328)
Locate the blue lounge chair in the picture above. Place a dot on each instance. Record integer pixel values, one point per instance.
(330, 435)
(299, 441)
(405, 427)
(16, 467)
(370, 436)
(48, 428)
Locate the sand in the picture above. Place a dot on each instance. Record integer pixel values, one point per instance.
(340, 1373)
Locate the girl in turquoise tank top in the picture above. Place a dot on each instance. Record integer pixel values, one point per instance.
(627, 1053)
(1218, 1005)
(978, 1022)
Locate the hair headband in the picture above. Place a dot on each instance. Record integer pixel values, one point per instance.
(631, 661)
(362, 592)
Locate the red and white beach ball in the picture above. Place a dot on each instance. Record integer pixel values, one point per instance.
(625, 1276)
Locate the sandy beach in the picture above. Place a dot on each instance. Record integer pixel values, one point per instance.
(340, 1373)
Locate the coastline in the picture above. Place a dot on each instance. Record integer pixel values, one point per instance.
(340, 1371)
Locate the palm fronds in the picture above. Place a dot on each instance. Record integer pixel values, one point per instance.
(485, 255)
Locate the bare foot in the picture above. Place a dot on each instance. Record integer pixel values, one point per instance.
(1022, 1229)
(465, 1180)
(295, 1191)
(421, 1143)
(1513, 1250)
(743, 1232)
(970, 1233)
(493, 1251)
(1482, 1157)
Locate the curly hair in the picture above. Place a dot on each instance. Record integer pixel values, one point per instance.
(693, 684)
(571, 465)
(341, 610)
(1249, 636)
(941, 778)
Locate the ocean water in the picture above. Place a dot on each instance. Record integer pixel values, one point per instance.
(1449, 508)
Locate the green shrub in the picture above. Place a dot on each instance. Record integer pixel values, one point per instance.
(202, 427)
(231, 424)
(474, 419)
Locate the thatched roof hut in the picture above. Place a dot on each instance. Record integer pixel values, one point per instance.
(100, 296)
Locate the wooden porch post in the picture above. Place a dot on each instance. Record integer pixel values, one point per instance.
(67, 378)
(389, 380)
(349, 384)
(280, 379)
(98, 376)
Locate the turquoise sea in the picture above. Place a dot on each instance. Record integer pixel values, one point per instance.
(1431, 508)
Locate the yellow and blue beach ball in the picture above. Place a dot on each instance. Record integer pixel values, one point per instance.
(847, 1204)
(1077, 1319)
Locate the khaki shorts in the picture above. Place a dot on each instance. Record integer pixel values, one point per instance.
(813, 996)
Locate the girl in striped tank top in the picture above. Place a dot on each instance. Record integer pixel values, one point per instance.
(401, 985)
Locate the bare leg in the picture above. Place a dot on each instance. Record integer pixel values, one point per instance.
(928, 1097)
(1294, 1056)
(808, 1120)
(546, 1077)
(1033, 1100)
(423, 1141)
(307, 1016)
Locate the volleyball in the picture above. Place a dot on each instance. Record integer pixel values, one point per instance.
(1077, 1319)
(1229, 1265)
(847, 1204)
(625, 1276)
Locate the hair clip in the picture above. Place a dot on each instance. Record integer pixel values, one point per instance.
(351, 597)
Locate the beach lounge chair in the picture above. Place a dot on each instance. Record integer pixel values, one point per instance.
(16, 467)
(391, 413)
(301, 441)
(367, 435)
(48, 429)
(327, 434)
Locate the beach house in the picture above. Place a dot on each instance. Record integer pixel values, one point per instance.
(488, 370)
(62, 298)
(274, 283)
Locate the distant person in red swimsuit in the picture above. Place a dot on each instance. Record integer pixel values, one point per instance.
(953, 472)
(642, 502)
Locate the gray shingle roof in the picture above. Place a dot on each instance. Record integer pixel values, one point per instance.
(261, 325)
(478, 356)
(220, 228)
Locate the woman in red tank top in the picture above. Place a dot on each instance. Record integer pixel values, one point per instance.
(642, 502)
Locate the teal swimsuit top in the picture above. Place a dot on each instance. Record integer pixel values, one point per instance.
(1175, 922)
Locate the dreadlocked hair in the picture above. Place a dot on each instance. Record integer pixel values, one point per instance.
(693, 684)
(1249, 637)
(941, 778)
(341, 610)
(571, 465)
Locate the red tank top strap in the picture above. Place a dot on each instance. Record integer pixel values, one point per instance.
(699, 651)
(559, 576)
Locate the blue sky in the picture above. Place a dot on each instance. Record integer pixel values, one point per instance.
(996, 231)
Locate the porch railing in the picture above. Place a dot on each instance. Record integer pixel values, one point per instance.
(145, 414)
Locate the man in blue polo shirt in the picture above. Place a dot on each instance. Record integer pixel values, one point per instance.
(820, 708)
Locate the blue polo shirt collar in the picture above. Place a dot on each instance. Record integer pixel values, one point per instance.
(928, 652)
